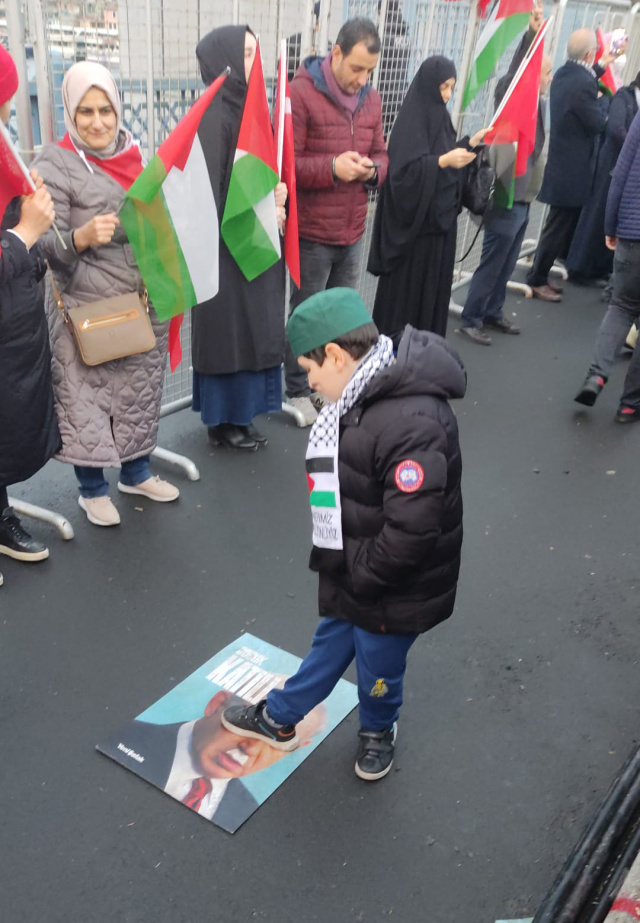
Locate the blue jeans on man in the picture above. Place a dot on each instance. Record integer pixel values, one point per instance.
(503, 235)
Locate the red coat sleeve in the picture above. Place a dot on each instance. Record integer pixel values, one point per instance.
(313, 171)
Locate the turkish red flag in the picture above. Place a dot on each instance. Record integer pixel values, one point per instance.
(518, 121)
(13, 182)
(286, 158)
(607, 81)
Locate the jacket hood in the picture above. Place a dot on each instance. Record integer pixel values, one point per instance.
(426, 364)
(311, 69)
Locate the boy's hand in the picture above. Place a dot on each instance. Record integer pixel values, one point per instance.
(36, 216)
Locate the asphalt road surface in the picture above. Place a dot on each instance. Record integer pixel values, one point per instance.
(519, 711)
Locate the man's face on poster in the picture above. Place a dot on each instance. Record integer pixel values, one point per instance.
(219, 754)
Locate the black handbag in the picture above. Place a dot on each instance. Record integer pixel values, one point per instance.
(479, 185)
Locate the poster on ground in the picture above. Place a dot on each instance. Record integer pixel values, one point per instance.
(180, 746)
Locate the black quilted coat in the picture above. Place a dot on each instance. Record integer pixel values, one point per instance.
(28, 427)
(399, 469)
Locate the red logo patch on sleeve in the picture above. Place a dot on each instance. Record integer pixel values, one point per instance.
(409, 476)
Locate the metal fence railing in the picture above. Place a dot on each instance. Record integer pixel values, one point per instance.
(149, 45)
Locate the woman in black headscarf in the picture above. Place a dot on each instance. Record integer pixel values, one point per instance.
(414, 235)
(238, 336)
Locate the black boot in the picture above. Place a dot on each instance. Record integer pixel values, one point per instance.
(588, 393)
(232, 436)
(254, 434)
(16, 541)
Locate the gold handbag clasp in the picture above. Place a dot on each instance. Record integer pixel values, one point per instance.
(109, 321)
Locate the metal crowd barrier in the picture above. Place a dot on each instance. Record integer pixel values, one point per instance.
(150, 48)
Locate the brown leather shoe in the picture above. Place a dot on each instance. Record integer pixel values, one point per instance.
(545, 293)
(558, 289)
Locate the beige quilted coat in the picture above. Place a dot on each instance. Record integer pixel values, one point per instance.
(108, 413)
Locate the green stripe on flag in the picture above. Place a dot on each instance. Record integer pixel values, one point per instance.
(323, 498)
(156, 248)
(242, 231)
(485, 64)
(251, 180)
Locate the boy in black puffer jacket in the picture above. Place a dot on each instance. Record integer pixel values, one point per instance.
(384, 468)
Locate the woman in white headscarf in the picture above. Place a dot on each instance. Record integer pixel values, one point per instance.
(108, 414)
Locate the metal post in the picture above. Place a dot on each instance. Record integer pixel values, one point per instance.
(306, 38)
(236, 12)
(467, 54)
(382, 25)
(15, 30)
(41, 59)
(323, 29)
(557, 30)
(429, 33)
(151, 111)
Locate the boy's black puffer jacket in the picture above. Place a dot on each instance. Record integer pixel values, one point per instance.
(399, 568)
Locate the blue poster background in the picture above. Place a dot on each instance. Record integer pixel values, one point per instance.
(189, 698)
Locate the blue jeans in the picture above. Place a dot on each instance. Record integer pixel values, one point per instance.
(381, 661)
(504, 232)
(94, 484)
(322, 266)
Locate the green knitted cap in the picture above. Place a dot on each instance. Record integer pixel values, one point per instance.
(324, 317)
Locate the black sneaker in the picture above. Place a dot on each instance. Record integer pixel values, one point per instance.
(588, 393)
(250, 721)
(627, 414)
(375, 753)
(16, 541)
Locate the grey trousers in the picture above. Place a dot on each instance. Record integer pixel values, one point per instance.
(623, 311)
(322, 266)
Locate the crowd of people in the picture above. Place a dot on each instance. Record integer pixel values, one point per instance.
(388, 518)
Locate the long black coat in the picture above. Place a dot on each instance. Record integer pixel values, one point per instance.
(29, 434)
(242, 328)
(398, 571)
(589, 255)
(577, 118)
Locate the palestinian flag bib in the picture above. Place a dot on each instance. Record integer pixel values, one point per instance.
(324, 444)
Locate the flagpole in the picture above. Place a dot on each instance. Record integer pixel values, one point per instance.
(523, 66)
(282, 101)
(18, 159)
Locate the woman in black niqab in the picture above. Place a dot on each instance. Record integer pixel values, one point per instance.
(238, 336)
(414, 235)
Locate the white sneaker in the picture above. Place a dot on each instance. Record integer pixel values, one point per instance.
(100, 511)
(306, 408)
(154, 488)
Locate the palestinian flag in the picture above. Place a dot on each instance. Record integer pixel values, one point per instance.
(508, 19)
(321, 482)
(171, 218)
(516, 123)
(607, 83)
(249, 224)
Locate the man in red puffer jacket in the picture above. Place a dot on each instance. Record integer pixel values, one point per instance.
(340, 157)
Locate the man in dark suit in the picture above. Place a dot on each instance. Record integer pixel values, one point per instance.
(578, 116)
(199, 762)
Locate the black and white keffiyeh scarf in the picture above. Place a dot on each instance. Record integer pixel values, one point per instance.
(324, 441)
